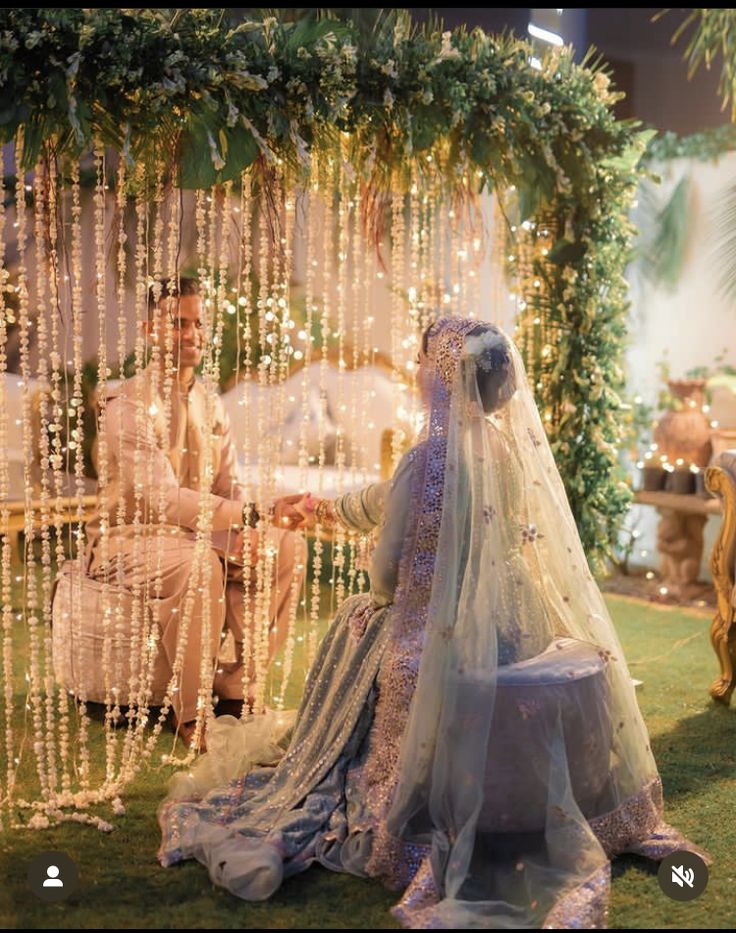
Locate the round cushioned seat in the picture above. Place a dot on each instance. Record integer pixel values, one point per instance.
(78, 639)
(560, 695)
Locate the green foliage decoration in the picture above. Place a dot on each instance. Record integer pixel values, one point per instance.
(210, 98)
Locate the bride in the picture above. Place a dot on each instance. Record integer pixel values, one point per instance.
(469, 731)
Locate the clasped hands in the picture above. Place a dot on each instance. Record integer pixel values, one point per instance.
(302, 511)
(290, 513)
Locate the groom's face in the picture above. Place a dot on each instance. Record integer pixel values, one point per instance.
(184, 316)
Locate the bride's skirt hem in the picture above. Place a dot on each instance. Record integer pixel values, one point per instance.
(635, 826)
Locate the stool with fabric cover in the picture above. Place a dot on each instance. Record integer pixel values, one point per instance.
(568, 684)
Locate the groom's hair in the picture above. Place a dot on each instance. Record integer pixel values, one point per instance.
(170, 288)
(496, 380)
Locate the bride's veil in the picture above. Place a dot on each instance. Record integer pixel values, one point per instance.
(524, 761)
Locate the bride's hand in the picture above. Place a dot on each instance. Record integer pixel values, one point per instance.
(308, 508)
(318, 511)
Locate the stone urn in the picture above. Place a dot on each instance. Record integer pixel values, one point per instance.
(686, 432)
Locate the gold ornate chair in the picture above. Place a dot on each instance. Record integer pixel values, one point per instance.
(720, 479)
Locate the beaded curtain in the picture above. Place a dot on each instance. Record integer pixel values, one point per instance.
(301, 287)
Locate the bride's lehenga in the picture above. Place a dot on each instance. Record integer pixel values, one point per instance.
(273, 822)
(468, 732)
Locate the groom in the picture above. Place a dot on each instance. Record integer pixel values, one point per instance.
(156, 473)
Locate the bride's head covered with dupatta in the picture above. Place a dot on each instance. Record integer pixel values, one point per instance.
(509, 759)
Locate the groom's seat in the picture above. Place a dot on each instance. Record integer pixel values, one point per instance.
(83, 618)
(564, 691)
(93, 631)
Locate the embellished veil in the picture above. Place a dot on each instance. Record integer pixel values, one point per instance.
(509, 759)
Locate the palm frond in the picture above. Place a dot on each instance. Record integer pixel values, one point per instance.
(724, 241)
(713, 36)
(664, 233)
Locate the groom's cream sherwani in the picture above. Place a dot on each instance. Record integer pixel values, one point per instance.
(150, 467)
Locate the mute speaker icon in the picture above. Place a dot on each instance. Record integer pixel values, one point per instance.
(683, 876)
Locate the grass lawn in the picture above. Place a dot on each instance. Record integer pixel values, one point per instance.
(122, 885)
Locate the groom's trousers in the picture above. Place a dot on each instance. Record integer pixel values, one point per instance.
(143, 560)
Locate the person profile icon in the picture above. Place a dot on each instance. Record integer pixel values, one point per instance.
(53, 880)
(45, 873)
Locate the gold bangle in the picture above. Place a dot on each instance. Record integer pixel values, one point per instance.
(324, 513)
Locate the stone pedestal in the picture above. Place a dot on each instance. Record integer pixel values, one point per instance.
(680, 545)
(680, 536)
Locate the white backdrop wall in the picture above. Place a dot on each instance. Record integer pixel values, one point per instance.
(688, 326)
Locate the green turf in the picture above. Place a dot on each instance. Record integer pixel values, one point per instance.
(123, 886)
(694, 743)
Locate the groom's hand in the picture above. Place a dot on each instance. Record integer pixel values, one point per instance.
(284, 513)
